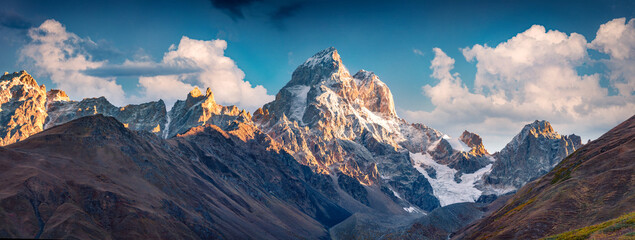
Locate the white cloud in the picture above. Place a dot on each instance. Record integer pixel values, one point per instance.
(617, 38)
(530, 76)
(60, 55)
(169, 88)
(65, 58)
(417, 51)
(217, 71)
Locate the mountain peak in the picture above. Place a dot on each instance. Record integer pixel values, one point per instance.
(196, 96)
(325, 56)
(539, 128)
(195, 93)
(328, 58)
(364, 75)
(23, 76)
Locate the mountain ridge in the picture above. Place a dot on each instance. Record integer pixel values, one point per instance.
(357, 156)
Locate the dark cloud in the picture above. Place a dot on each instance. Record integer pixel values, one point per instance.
(285, 12)
(233, 8)
(140, 69)
(100, 50)
(13, 20)
(274, 10)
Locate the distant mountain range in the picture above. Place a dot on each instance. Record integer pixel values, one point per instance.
(328, 158)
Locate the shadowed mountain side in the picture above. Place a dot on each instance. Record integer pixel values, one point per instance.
(594, 184)
(94, 178)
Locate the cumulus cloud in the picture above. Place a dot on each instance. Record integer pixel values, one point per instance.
(530, 76)
(61, 55)
(143, 68)
(617, 39)
(70, 62)
(168, 87)
(213, 69)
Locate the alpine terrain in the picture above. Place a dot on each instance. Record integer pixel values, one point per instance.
(328, 158)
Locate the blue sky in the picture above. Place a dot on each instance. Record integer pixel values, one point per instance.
(266, 40)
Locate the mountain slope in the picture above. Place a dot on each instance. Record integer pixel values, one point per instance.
(94, 178)
(594, 184)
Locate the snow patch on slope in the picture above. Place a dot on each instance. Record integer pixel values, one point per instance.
(444, 187)
(412, 209)
(457, 144)
(298, 106)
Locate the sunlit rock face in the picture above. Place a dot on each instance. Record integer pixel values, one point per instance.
(56, 95)
(200, 109)
(531, 154)
(474, 141)
(22, 107)
(149, 116)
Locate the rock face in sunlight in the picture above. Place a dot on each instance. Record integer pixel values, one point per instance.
(531, 154)
(199, 109)
(56, 95)
(22, 107)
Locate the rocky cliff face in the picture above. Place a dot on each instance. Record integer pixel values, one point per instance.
(531, 154)
(22, 107)
(199, 109)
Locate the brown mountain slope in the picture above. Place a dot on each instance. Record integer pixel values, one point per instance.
(92, 178)
(594, 184)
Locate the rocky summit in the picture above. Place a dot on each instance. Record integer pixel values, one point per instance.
(200, 109)
(329, 157)
(531, 154)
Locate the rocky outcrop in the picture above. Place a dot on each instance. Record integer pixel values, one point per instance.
(22, 107)
(199, 109)
(474, 141)
(56, 95)
(531, 154)
(374, 93)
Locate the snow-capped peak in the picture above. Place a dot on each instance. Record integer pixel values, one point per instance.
(325, 56)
